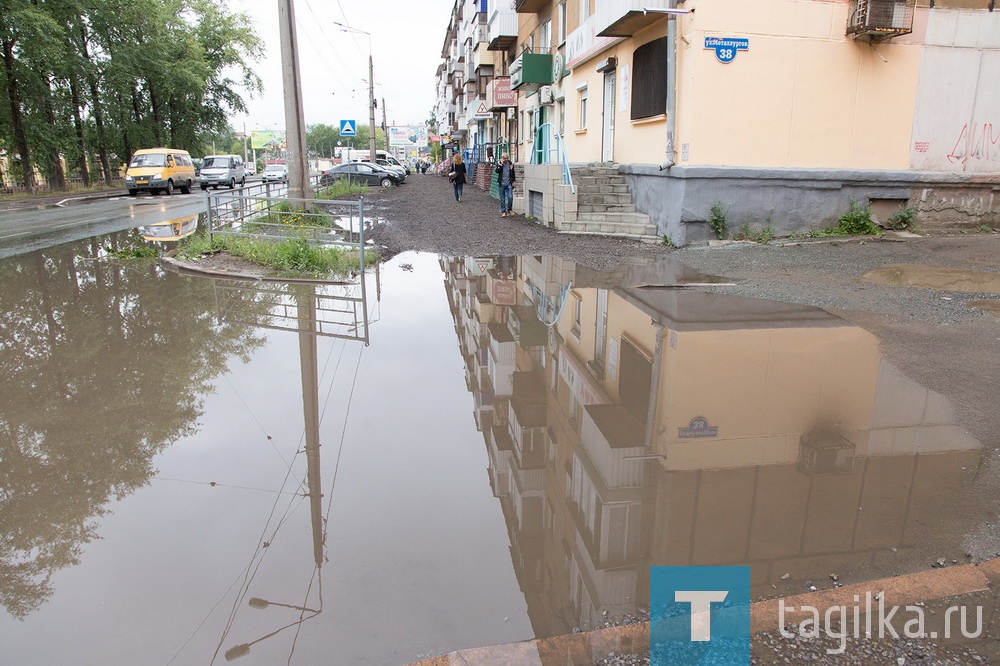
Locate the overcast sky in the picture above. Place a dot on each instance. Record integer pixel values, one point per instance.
(406, 39)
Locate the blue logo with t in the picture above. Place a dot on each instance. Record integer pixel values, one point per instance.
(699, 615)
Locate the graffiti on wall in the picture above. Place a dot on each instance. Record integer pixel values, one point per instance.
(978, 142)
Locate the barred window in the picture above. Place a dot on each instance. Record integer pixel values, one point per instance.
(649, 79)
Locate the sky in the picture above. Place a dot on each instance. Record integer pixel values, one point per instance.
(406, 39)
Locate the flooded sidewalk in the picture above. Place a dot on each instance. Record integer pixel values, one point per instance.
(448, 453)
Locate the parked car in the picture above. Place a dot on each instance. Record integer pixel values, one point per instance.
(365, 172)
(251, 168)
(389, 166)
(159, 170)
(222, 171)
(274, 173)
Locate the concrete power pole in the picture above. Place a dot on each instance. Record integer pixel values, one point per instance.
(295, 126)
(385, 128)
(372, 143)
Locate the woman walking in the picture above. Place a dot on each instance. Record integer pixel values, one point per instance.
(457, 175)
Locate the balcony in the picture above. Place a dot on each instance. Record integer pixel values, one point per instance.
(502, 28)
(531, 71)
(530, 6)
(482, 56)
(624, 18)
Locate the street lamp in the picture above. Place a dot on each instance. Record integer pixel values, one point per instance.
(372, 147)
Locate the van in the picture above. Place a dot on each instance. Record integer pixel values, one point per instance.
(383, 155)
(160, 170)
(222, 170)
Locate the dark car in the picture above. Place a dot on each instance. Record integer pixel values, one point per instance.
(364, 172)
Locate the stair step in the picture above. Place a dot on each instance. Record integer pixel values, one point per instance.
(605, 208)
(614, 218)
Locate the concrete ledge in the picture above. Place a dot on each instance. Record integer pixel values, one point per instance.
(924, 586)
(903, 178)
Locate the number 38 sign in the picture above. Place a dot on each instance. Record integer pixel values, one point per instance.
(726, 48)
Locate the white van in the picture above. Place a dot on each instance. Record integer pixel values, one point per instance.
(222, 171)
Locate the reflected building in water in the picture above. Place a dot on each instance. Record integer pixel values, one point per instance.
(633, 422)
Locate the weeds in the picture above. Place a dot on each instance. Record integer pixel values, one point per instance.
(857, 221)
(717, 221)
(748, 232)
(985, 229)
(902, 219)
(668, 241)
(295, 255)
(341, 188)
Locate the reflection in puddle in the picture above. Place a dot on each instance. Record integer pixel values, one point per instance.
(935, 277)
(171, 230)
(671, 427)
(619, 427)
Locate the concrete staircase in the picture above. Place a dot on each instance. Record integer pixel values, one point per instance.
(604, 206)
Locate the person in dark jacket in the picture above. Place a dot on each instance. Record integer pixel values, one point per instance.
(457, 175)
(505, 182)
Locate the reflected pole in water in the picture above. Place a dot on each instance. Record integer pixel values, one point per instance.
(306, 307)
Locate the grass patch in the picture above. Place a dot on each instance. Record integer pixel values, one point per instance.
(903, 219)
(749, 232)
(292, 257)
(287, 215)
(341, 188)
(857, 221)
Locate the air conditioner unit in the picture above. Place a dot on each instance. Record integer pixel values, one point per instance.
(879, 20)
(545, 95)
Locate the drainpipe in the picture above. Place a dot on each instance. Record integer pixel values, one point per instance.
(671, 86)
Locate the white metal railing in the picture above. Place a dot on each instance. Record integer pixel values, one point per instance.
(256, 211)
(543, 148)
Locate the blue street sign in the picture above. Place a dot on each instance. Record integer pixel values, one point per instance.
(726, 48)
(348, 128)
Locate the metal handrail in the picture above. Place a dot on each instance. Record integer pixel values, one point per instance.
(541, 150)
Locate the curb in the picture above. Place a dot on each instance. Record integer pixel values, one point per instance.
(173, 265)
(53, 200)
(923, 586)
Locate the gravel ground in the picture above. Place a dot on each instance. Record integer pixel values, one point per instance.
(422, 214)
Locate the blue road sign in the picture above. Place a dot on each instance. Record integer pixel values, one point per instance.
(348, 128)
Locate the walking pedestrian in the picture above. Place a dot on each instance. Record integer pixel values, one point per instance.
(505, 182)
(457, 175)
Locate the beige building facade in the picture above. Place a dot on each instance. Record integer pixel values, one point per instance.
(782, 110)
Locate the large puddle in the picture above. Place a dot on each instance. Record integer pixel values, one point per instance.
(459, 452)
(935, 277)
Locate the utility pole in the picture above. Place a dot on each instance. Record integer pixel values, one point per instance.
(372, 144)
(295, 126)
(245, 153)
(385, 128)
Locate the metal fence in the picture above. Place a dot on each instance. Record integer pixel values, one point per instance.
(263, 210)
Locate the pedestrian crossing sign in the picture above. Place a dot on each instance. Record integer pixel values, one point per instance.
(348, 128)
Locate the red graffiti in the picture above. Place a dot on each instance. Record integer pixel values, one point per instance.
(979, 143)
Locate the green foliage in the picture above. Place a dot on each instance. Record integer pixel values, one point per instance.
(295, 256)
(322, 140)
(984, 228)
(717, 222)
(749, 232)
(341, 188)
(857, 221)
(106, 77)
(668, 241)
(902, 218)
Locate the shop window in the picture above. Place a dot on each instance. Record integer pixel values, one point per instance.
(649, 79)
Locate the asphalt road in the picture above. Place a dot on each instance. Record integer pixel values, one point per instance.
(27, 229)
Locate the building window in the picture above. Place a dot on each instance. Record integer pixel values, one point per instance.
(584, 10)
(545, 36)
(561, 17)
(649, 79)
(561, 106)
(583, 107)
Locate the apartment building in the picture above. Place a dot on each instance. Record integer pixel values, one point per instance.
(783, 111)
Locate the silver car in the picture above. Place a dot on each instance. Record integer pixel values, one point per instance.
(222, 170)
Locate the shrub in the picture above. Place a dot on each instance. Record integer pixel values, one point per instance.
(857, 221)
(902, 218)
(717, 221)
